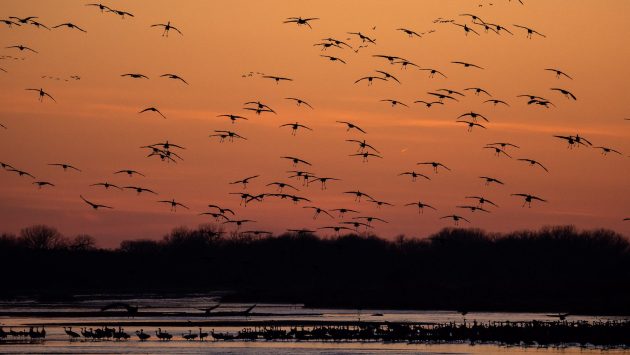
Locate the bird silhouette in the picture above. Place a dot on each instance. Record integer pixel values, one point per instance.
(71, 26)
(566, 93)
(72, 334)
(421, 205)
(42, 94)
(295, 160)
(167, 27)
(405, 63)
(432, 72)
(244, 181)
(558, 73)
(606, 150)
(222, 210)
(175, 77)
(323, 181)
(370, 219)
(22, 48)
(394, 102)
(435, 165)
(95, 206)
(299, 102)
(173, 204)
(571, 141)
(388, 75)
(343, 211)
(100, 6)
(496, 101)
(428, 104)
(337, 42)
(441, 96)
(530, 32)
(21, 173)
(533, 163)
(358, 194)
(455, 218)
(295, 126)
(333, 59)
(215, 215)
(121, 13)
(106, 185)
(380, 204)
(226, 134)
(466, 28)
(41, 184)
(414, 175)
(365, 156)
(474, 116)
(129, 172)
(277, 79)
(409, 32)
(363, 37)
(499, 28)
(467, 65)
(362, 145)
(38, 24)
(65, 167)
(318, 211)
(301, 21)
(489, 180)
(135, 76)
(498, 151)
(153, 109)
(326, 45)
(481, 200)
(140, 190)
(23, 20)
(370, 79)
(351, 125)
(233, 117)
(529, 198)
(474, 208)
(356, 225)
(9, 23)
(478, 91)
(282, 185)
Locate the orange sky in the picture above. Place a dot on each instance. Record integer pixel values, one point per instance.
(95, 126)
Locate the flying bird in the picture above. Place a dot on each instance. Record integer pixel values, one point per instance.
(529, 198)
(351, 125)
(42, 94)
(606, 150)
(277, 78)
(301, 21)
(174, 76)
(244, 181)
(140, 190)
(467, 65)
(65, 167)
(153, 109)
(496, 101)
(420, 206)
(71, 26)
(409, 32)
(232, 117)
(530, 32)
(333, 59)
(106, 185)
(22, 48)
(174, 204)
(558, 73)
(466, 28)
(95, 206)
(388, 75)
(318, 211)
(435, 165)
(491, 180)
(167, 27)
(299, 102)
(40, 184)
(432, 72)
(428, 104)
(414, 175)
(533, 163)
(481, 200)
(455, 218)
(135, 76)
(370, 79)
(478, 91)
(394, 102)
(21, 172)
(100, 6)
(471, 124)
(566, 93)
(295, 126)
(365, 156)
(296, 161)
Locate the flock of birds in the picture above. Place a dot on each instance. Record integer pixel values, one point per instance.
(468, 24)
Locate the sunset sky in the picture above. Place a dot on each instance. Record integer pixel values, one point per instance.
(95, 126)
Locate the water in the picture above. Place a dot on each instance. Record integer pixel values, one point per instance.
(178, 312)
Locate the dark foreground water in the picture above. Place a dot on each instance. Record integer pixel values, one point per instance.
(176, 315)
